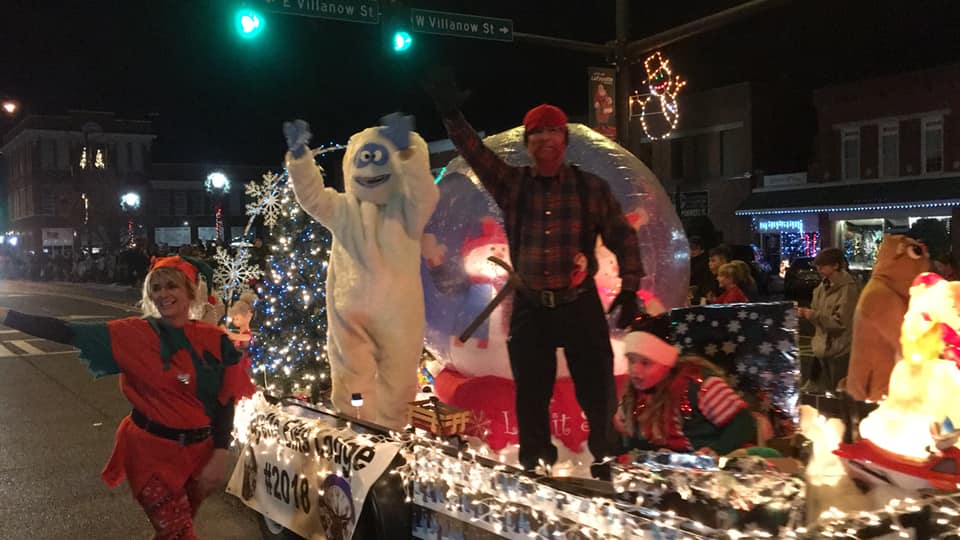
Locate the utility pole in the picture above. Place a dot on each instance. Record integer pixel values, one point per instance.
(623, 73)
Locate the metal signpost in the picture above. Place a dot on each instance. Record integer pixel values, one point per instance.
(461, 25)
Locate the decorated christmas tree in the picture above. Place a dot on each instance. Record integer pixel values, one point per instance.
(290, 327)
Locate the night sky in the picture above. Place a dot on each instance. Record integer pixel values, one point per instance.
(219, 98)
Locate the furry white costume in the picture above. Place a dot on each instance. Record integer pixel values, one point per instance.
(375, 311)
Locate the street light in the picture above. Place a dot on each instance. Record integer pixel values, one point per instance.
(218, 185)
(10, 107)
(130, 203)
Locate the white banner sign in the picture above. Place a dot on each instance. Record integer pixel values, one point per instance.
(303, 473)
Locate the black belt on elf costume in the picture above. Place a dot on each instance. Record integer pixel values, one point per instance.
(183, 436)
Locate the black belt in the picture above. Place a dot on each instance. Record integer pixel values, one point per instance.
(183, 436)
(551, 298)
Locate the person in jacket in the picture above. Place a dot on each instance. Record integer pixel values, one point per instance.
(182, 378)
(680, 403)
(553, 213)
(831, 312)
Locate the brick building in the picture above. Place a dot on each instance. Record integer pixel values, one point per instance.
(887, 154)
(65, 174)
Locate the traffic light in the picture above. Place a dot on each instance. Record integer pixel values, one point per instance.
(395, 25)
(402, 41)
(248, 22)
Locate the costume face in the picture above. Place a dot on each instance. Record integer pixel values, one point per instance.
(899, 260)
(371, 169)
(645, 373)
(477, 265)
(547, 147)
(170, 292)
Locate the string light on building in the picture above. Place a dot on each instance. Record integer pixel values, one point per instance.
(861, 208)
(98, 162)
(661, 99)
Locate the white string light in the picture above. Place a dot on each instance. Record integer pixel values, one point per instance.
(661, 98)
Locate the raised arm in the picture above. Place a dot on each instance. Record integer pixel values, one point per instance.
(318, 201)
(493, 172)
(413, 160)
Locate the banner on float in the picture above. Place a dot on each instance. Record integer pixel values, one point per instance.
(310, 477)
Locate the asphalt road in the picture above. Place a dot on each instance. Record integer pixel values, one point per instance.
(56, 431)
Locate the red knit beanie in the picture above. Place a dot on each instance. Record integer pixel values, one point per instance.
(543, 116)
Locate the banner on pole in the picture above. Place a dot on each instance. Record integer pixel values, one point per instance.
(602, 92)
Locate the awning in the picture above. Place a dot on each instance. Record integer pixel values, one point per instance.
(852, 197)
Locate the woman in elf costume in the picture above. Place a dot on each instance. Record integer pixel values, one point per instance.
(182, 378)
(681, 404)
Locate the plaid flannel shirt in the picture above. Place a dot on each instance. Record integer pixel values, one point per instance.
(550, 238)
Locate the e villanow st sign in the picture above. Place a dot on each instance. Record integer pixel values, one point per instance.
(461, 25)
(361, 11)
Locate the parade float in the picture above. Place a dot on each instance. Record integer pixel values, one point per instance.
(315, 473)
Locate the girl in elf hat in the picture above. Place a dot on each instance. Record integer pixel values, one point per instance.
(180, 375)
(682, 404)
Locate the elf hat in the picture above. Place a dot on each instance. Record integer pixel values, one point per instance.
(650, 338)
(191, 267)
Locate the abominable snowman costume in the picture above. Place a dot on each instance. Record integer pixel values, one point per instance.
(375, 311)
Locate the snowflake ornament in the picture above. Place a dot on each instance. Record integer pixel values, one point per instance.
(267, 200)
(232, 273)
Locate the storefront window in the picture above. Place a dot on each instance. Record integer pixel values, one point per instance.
(861, 241)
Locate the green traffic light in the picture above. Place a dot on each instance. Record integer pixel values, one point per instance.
(249, 23)
(402, 41)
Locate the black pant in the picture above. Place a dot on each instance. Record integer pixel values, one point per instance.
(580, 327)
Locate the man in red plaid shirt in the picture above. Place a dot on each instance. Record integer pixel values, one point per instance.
(553, 212)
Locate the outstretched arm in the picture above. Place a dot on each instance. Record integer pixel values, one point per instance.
(93, 339)
(43, 327)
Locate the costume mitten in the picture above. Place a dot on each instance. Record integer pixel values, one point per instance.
(298, 135)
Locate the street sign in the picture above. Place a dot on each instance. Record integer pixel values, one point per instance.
(461, 25)
(361, 11)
